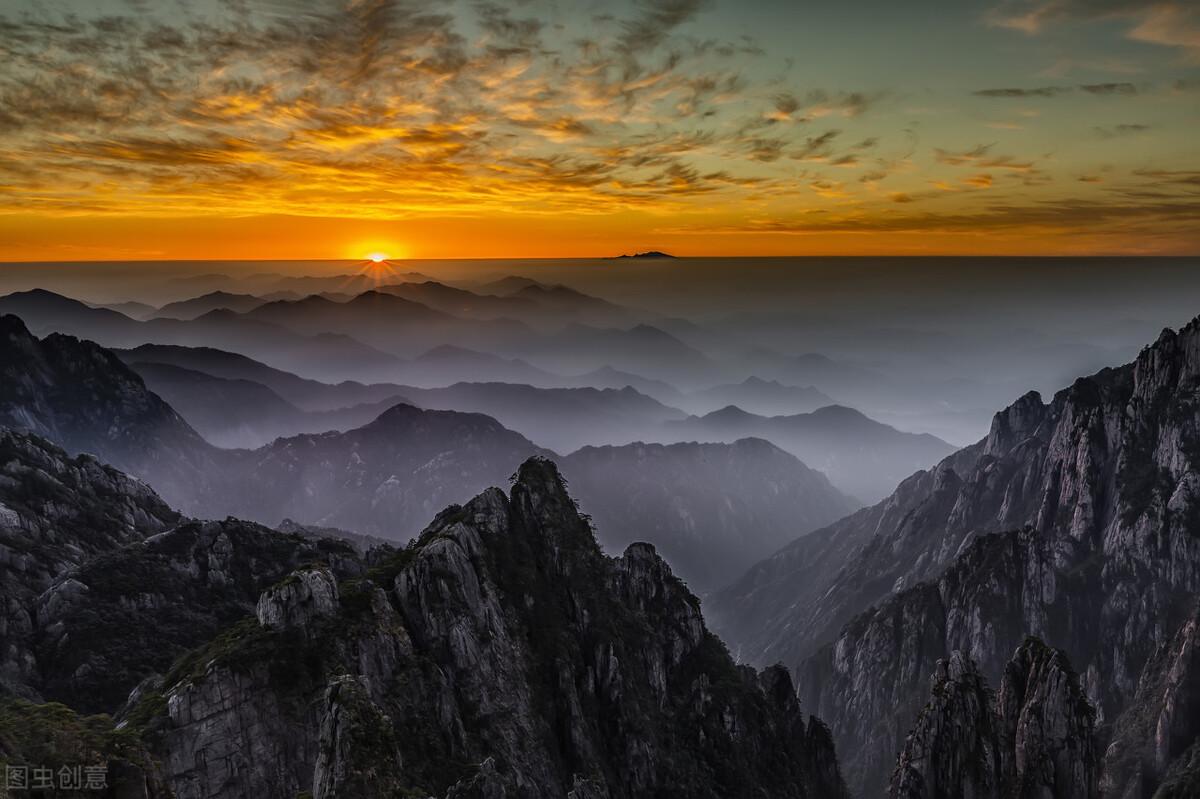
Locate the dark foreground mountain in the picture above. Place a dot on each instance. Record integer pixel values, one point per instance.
(1034, 737)
(56, 512)
(862, 457)
(502, 654)
(1074, 521)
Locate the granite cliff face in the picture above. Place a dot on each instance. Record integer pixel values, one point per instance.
(1033, 738)
(127, 614)
(1155, 748)
(1074, 521)
(502, 654)
(56, 512)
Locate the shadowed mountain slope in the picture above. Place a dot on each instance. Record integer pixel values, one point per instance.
(1074, 521)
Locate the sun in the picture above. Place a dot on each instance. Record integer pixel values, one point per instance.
(377, 257)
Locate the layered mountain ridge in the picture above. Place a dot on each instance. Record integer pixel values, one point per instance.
(388, 474)
(1075, 521)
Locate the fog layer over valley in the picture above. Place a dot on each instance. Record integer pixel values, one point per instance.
(925, 345)
(466, 515)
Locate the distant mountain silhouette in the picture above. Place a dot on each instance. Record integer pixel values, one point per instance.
(765, 397)
(648, 254)
(862, 457)
(506, 286)
(608, 377)
(391, 323)
(243, 413)
(309, 395)
(461, 302)
(706, 507)
(641, 349)
(446, 364)
(561, 419)
(134, 310)
(380, 478)
(216, 300)
(326, 354)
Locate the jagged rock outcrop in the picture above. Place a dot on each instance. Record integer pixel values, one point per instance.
(102, 584)
(1073, 521)
(56, 512)
(357, 753)
(1156, 740)
(1034, 738)
(1046, 727)
(954, 749)
(502, 654)
(297, 603)
(131, 612)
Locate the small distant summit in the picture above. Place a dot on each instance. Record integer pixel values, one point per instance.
(647, 254)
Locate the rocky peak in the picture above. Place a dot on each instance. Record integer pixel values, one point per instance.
(1073, 521)
(57, 512)
(501, 654)
(1033, 738)
(954, 749)
(302, 597)
(541, 502)
(1155, 741)
(1046, 725)
(1014, 424)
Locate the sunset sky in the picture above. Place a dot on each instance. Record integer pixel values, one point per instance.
(293, 129)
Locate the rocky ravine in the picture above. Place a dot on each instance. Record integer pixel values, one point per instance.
(1097, 551)
(501, 654)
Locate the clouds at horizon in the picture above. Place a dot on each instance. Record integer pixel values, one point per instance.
(399, 109)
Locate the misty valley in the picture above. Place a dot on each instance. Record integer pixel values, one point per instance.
(620, 399)
(485, 534)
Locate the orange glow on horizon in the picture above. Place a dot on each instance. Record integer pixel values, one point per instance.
(30, 237)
